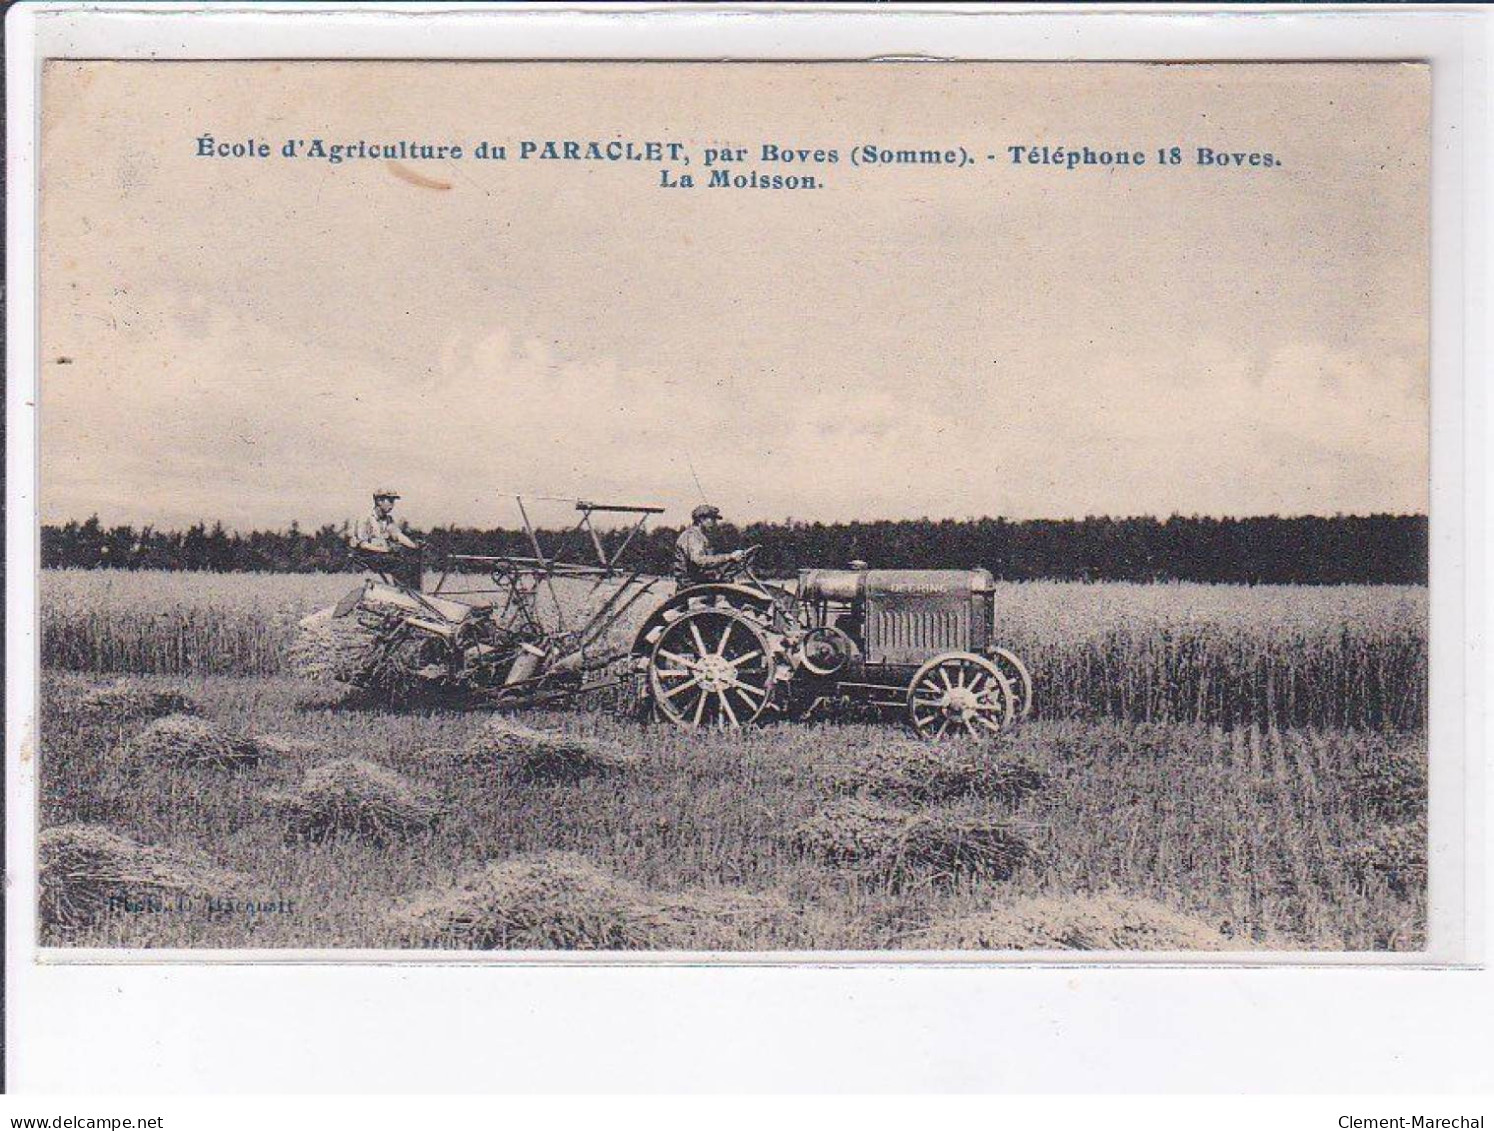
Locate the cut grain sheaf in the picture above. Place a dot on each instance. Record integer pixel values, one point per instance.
(326, 647)
(355, 798)
(921, 772)
(1075, 922)
(361, 653)
(524, 754)
(128, 699)
(291, 747)
(852, 831)
(904, 847)
(187, 741)
(560, 901)
(86, 872)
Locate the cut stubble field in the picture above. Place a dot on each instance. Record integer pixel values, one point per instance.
(1136, 819)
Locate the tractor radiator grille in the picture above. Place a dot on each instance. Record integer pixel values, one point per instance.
(911, 636)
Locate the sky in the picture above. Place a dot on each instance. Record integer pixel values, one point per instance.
(256, 341)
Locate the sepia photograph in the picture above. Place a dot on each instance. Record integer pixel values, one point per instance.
(725, 509)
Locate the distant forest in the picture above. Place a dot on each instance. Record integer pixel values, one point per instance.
(1314, 551)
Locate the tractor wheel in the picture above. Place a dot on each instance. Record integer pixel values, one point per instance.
(1018, 676)
(959, 693)
(712, 667)
(759, 611)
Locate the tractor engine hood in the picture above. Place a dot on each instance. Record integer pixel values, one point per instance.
(854, 585)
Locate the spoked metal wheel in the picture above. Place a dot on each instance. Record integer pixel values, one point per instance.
(712, 667)
(960, 693)
(753, 608)
(1018, 676)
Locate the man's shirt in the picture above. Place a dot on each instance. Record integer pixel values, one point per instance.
(380, 532)
(694, 561)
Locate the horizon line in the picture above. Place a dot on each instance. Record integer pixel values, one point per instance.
(1338, 516)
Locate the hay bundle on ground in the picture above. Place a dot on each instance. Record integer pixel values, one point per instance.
(526, 755)
(852, 830)
(126, 698)
(86, 871)
(1076, 922)
(1395, 853)
(560, 901)
(184, 740)
(551, 901)
(905, 847)
(351, 797)
(943, 846)
(724, 920)
(290, 747)
(922, 771)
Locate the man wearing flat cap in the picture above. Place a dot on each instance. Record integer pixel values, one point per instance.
(381, 546)
(695, 563)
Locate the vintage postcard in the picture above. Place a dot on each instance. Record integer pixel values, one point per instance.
(898, 508)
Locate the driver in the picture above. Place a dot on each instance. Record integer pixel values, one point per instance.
(694, 561)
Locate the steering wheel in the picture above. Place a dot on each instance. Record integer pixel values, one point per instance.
(743, 566)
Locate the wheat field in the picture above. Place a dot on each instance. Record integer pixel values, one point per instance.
(1341, 656)
(1161, 799)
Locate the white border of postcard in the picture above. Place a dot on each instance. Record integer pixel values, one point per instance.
(145, 1013)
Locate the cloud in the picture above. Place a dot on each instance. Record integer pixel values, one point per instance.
(217, 418)
(912, 342)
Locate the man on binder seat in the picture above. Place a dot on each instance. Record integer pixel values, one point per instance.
(380, 546)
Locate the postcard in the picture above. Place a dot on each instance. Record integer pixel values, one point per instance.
(899, 509)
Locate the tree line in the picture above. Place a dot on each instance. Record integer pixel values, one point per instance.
(1267, 550)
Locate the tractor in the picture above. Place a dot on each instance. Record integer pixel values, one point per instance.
(726, 654)
(911, 641)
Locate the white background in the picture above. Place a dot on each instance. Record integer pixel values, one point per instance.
(315, 1027)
